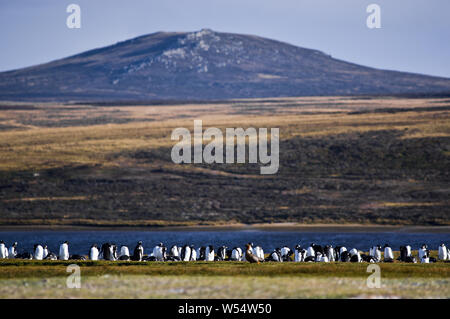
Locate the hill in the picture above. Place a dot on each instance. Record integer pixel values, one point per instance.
(204, 65)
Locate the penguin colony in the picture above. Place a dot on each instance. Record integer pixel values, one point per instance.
(252, 254)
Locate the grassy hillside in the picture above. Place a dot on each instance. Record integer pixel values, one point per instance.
(342, 160)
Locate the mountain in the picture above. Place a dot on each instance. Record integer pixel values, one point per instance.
(204, 65)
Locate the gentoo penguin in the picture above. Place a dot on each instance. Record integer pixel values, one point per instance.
(38, 252)
(329, 252)
(442, 253)
(174, 252)
(310, 252)
(275, 255)
(367, 258)
(209, 253)
(377, 253)
(299, 254)
(45, 251)
(355, 256)
(77, 257)
(3, 250)
(425, 255)
(258, 252)
(318, 257)
(353, 252)
(51, 256)
(124, 251)
(201, 253)
(13, 251)
(106, 252)
(193, 253)
(317, 248)
(113, 249)
(408, 251)
(236, 254)
(339, 251)
(388, 254)
(286, 253)
(322, 257)
(221, 253)
(25, 255)
(93, 253)
(186, 252)
(422, 251)
(138, 252)
(64, 251)
(337, 255)
(249, 255)
(158, 252)
(345, 255)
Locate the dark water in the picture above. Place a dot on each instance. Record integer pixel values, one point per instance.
(81, 241)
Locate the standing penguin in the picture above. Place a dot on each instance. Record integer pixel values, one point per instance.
(318, 257)
(377, 253)
(93, 253)
(236, 254)
(158, 252)
(3, 250)
(259, 252)
(329, 252)
(113, 250)
(408, 251)
(174, 252)
(442, 254)
(186, 252)
(310, 251)
(299, 254)
(106, 252)
(425, 259)
(138, 252)
(45, 251)
(38, 252)
(13, 251)
(422, 251)
(209, 253)
(222, 253)
(388, 254)
(193, 254)
(64, 251)
(286, 253)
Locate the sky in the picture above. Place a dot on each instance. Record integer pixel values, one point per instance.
(414, 34)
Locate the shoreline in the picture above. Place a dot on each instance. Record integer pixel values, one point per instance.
(346, 228)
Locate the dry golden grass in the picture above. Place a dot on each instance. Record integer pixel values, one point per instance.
(33, 148)
(222, 287)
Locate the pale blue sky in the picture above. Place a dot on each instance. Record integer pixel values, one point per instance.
(415, 34)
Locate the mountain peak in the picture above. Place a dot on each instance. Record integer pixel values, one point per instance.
(204, 64)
